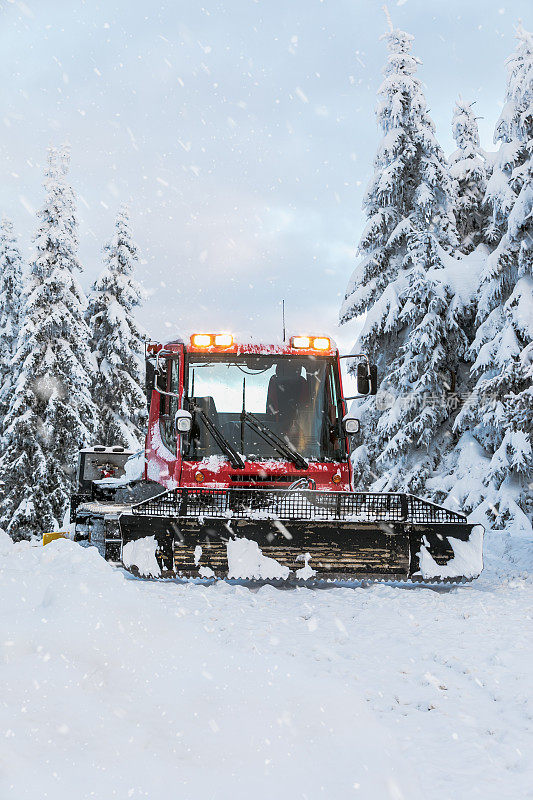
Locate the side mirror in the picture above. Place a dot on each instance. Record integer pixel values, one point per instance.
(183, 421)
(367, 379)
(351, 425)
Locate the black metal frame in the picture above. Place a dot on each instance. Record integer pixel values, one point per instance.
(282, 504)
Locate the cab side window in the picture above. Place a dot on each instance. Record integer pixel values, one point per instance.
(169, 380)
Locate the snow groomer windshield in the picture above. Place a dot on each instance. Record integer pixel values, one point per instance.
(274, 407)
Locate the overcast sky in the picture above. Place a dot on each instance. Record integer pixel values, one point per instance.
(242, 134)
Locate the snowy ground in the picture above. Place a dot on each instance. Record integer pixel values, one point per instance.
(112, 687)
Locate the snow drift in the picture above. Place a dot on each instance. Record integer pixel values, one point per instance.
(115, 687)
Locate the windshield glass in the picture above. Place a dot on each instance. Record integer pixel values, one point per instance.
(294, 397)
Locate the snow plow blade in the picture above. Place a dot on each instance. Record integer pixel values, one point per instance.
(279, 535)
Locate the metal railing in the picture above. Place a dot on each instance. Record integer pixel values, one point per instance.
(284, 505)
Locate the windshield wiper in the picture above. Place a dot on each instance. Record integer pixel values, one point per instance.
(234, 457)
(286, 450)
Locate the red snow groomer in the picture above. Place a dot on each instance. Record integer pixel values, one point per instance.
(247, 475)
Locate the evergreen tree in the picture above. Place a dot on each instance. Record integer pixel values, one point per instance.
(409, 191)
(467, 168)
(10, 302)
(51, 413)
(118, 342)
(421, 376)
(500, 413)
(412, 328)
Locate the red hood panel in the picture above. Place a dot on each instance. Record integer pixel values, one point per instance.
(218, 472)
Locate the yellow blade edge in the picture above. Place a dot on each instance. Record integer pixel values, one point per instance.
(49, 537)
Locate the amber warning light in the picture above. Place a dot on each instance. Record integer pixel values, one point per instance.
(311, 342)
(211, 340)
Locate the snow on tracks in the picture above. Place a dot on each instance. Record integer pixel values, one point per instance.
(115, 687)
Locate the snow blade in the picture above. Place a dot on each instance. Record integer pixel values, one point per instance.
(263, 534)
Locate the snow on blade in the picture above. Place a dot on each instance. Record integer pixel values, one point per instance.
(203, 572)
(466, 563)
(306, 571)
(140, 553)
(206, 572)
(245, 560)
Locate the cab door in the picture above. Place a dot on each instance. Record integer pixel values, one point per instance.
(163, 457)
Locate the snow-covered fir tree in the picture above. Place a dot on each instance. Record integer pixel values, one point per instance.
(509, 187)
(10, 301)
(467, 168)
(412, 328)
(500, 413)
(51, 413)
(411, 184)
(118, 342)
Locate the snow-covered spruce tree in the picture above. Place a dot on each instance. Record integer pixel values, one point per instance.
(413, 434)
(118, 342)
(467, 168)
(10, 301)
(410, 176)
(500, 413)
(509, 187)
(412, 329)
(51, 413)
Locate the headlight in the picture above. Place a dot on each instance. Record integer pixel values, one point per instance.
(351, 425)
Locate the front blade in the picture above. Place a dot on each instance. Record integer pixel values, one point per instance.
(264, 534)
(246, 548)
